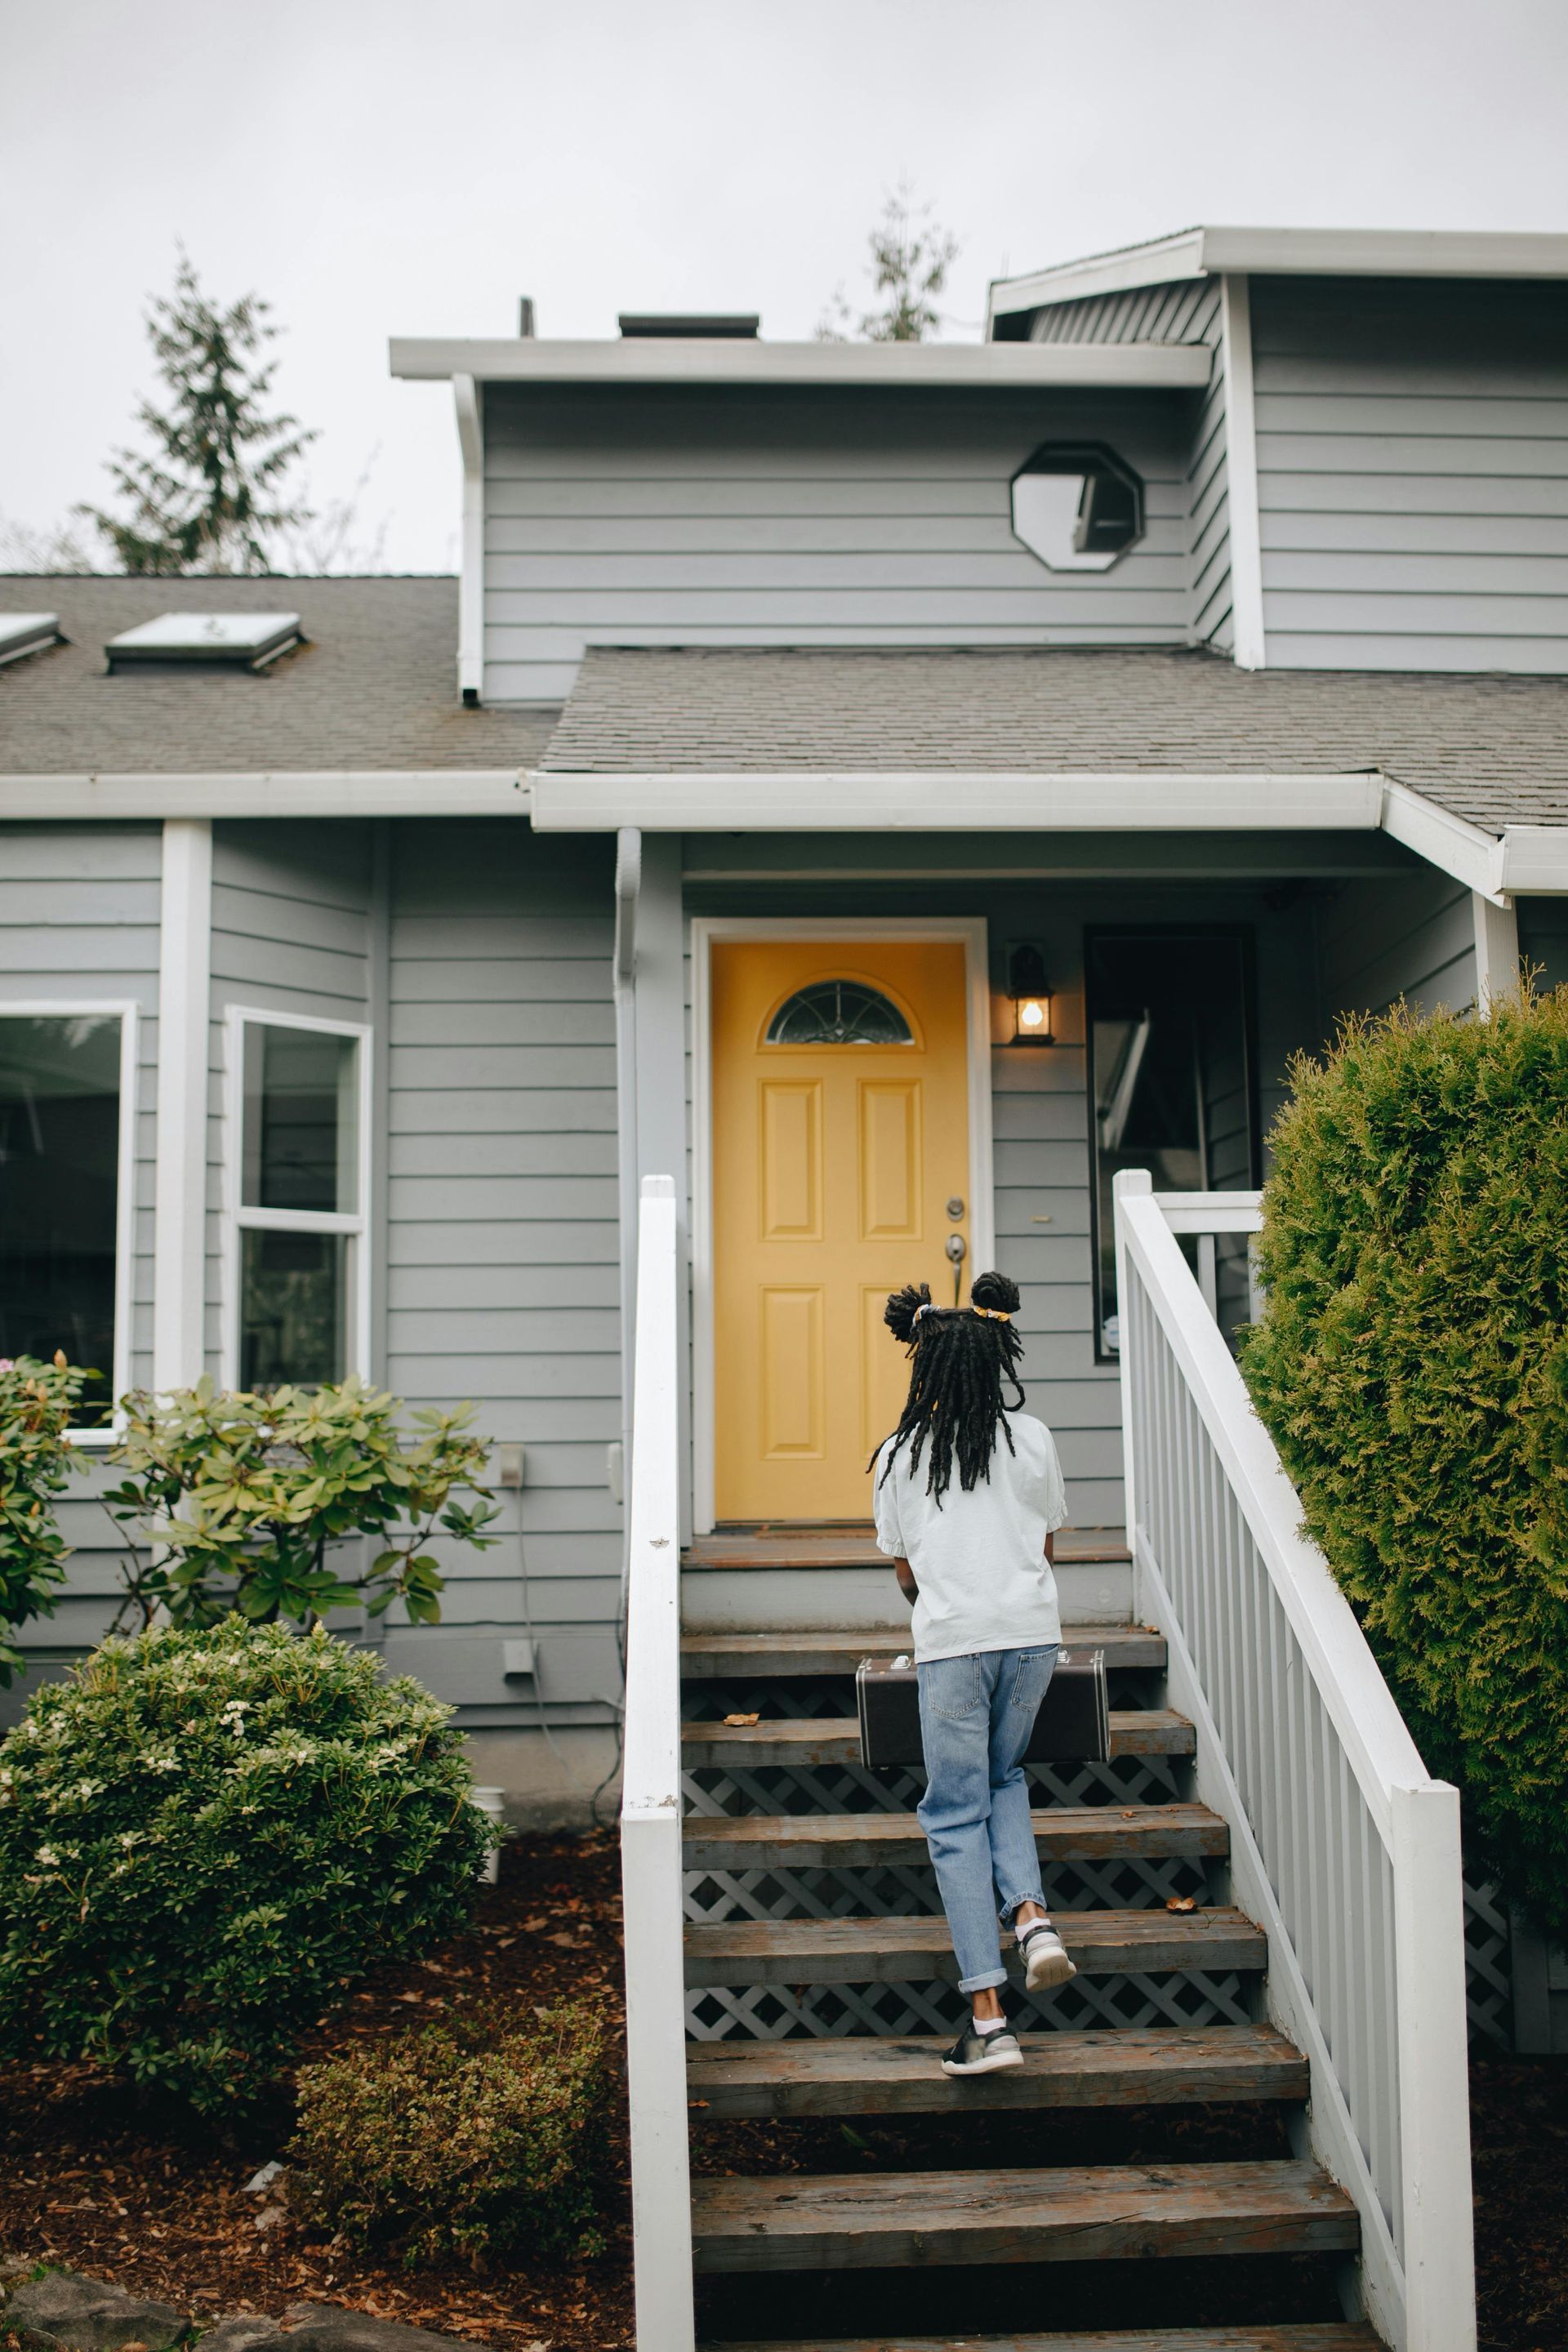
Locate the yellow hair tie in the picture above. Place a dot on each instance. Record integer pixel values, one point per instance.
(992, 1313)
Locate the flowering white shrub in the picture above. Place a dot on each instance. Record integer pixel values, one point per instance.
(206, 1837)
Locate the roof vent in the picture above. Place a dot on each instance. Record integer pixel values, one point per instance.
(223, 640)
(726, 326)
(28, 633)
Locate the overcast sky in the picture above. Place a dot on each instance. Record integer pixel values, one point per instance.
(411, 166)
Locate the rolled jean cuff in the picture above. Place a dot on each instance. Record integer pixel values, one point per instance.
(985, 1982)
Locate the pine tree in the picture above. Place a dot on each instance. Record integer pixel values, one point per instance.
(910, 258)
(210, 496)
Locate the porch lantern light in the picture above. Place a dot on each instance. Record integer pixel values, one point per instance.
(1031, 994)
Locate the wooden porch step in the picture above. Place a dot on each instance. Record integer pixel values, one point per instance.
(738, 1657)
(853, 1543)
(868, 2075)
(1323, 2336)
(835, 1739)
(1089, 2213)
(866, 1841)
(918, 1951)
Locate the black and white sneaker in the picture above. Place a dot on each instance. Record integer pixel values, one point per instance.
(1044, 1955)
(974, 2052)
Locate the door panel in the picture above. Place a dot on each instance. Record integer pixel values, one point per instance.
(889, 1160)
(834, 1158)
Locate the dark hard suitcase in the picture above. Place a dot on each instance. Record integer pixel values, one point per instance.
(1073, 1726)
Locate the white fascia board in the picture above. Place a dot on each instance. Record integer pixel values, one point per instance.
(327, 792)
(1161, 262)
(928, 800)
(643, 360)
(1450, 843)
(1331, 252)
(1535, 859)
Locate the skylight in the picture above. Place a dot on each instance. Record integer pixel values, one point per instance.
(28, 633)
(237, 640)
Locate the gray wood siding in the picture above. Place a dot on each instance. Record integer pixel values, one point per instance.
(1412, 936)
(1040, 1123)
(1184, 313)
(503, 1282)
(1413, 474)
(79, 920)
(679, 518)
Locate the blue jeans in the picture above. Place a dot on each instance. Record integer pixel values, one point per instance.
(976, 1714)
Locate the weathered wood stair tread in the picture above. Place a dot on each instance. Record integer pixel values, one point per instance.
(1323, 2336)
(917, 1950)
(737, 1656)
(854, 1545)
(867, 1841)
(835, 1739)
(867, 2074)
(1087, 2213)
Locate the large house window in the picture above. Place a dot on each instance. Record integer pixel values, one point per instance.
(298, 1175)
(1173, 1088)
(66, 1143)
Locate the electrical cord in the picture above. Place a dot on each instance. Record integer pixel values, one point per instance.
(590, 1797)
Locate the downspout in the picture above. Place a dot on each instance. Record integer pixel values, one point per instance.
(629, 882)
(471, 578)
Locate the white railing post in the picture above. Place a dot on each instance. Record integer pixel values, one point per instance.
(650, 1802)
(1126, 1184)
(1434, 2084)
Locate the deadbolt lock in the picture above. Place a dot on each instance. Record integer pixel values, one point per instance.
(955, 1207)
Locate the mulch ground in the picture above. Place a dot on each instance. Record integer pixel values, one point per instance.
(95, 2181)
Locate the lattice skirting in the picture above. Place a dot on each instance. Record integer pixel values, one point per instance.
(1489, 1975)
(776, 2013)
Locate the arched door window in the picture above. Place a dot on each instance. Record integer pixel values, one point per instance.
(838, 1013)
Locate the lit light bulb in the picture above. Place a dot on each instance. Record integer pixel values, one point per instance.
(1031, 1014)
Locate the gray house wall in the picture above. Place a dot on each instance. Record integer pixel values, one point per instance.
(674, 517)
(1184, 313)
(1413, 473)
(1412, 936)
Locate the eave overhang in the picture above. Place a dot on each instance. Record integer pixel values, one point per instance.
(681, 360)
(1286, 252)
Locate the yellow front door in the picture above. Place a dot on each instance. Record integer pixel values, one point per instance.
(841, 1168)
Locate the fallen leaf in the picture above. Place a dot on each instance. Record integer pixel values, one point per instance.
(1180, 1903)
(740, 1722)
(697, 2103)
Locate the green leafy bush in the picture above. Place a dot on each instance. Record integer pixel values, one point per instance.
(473, 2137)
(242, 1494)
(205, 1836)
(38, 1403)
(1411, 1365)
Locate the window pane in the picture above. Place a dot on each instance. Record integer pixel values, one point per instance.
(293, 1308)
(302, 1127)
(1173, 1085)
(59, 1176)
(838, 1013)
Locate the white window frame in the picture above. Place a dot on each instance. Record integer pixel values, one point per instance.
(129, 1012)
(238, 1218)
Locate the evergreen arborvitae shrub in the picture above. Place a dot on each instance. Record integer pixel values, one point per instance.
(1412, 1367)
(205, 1837)
(481, 2135)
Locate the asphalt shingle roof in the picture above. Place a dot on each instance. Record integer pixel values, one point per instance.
(1491, 748)
(375, 686)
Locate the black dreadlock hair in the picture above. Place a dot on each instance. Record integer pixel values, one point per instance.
(960, 1362)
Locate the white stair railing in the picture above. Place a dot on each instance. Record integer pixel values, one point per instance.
(1342, 1847)
(650, 1802)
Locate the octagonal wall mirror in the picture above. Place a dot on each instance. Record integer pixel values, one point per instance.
(1077, 506)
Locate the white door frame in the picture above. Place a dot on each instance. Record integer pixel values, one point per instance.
(968, 930)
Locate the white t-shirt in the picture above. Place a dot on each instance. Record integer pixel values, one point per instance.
(980, 1559)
